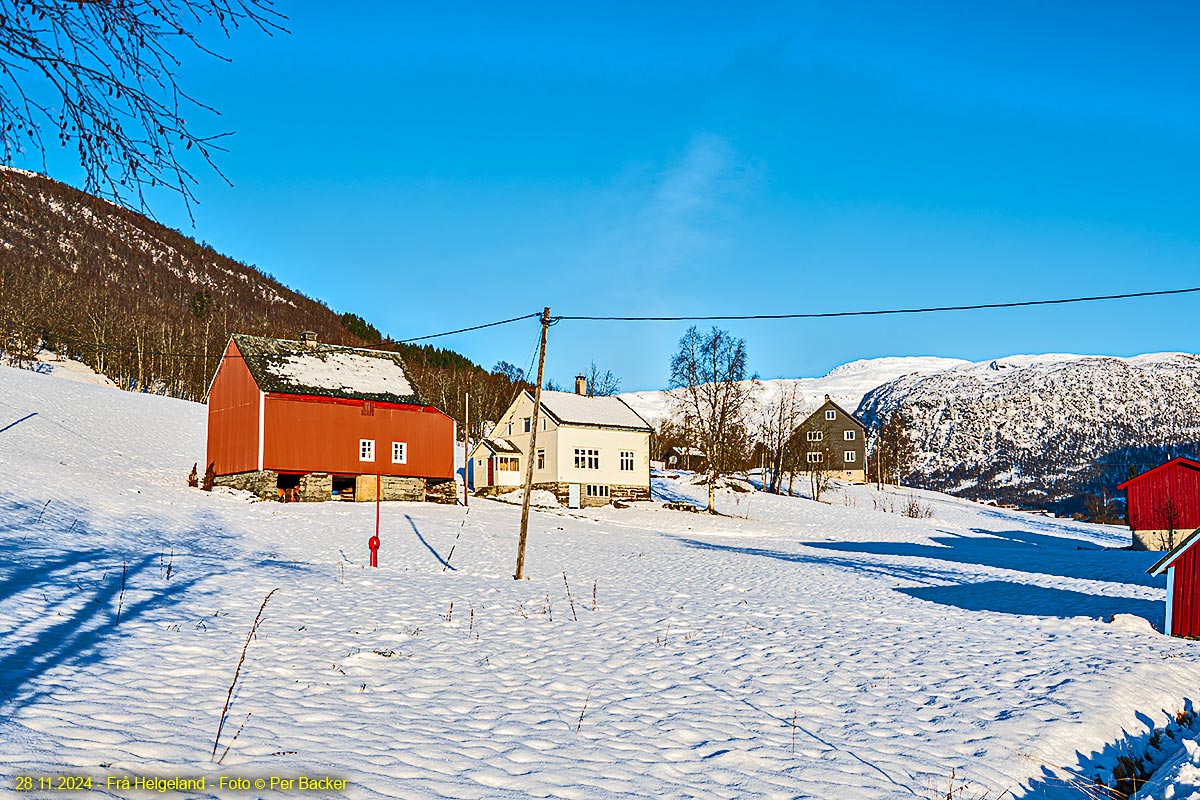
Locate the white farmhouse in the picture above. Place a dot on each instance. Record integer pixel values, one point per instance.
(590, 450)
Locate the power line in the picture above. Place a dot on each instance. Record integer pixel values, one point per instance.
(881, 312)
(83, 344)
(472, 328)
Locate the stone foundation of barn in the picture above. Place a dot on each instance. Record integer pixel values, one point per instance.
(390, 488)
(1157, 540)
(262, 483)
(316, 487)
(445, 492)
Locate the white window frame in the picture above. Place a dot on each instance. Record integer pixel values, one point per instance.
(816, 436)
(598, 490)
(366, 450)
(831, 414)
(527, 424)
(850, 457)
(541, 458)
(587, 458)
(849, 436)
(627, 459)
(509, 429)
(400, 449)
(816, 457)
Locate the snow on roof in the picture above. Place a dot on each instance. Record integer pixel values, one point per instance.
(499, 445)
(569, 408)
(291, 367)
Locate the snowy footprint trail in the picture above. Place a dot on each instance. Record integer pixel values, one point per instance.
(798, 649)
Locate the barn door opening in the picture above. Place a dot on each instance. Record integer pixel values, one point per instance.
(343, 487)
(287, 488)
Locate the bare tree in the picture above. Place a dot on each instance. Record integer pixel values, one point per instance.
(601, 384)
(101, 78)
(714, 391)
(777, 422)
(892, 451)
(1169, 514)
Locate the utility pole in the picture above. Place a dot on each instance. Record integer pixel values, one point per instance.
(531, 456)
(466, 449)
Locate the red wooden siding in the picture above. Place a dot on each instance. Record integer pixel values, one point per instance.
(1185, 599)
(233, 416)
(311, 434)
(1148, 497)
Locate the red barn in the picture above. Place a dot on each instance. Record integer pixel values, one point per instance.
(310, 421)
(1163, 504)
(1182, 566)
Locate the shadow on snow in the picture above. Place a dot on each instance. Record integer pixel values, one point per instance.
(947, 585)
(60, 590)
(1019, 551)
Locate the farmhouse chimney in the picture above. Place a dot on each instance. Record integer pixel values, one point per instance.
(826, 398)
(580, 384)
(309, 338)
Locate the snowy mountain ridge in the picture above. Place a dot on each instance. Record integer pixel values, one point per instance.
(845, 384)
(1037, 429)
(1043, 429)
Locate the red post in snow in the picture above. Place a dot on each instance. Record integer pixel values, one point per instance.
(374, 543)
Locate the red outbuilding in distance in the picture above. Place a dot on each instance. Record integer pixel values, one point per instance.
(1163, 504)
(301, 420)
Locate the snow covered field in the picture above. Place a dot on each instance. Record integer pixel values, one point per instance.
(790, 649)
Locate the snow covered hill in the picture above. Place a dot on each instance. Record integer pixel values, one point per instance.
(845, 384)
(786, 649)
(1042, 430)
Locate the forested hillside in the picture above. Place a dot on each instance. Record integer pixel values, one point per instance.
(152, 309)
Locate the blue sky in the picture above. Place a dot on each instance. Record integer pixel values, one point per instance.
(439, 165)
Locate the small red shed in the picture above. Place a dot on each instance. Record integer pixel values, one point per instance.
(301, 420)
(1163, 504)
(1182, 566)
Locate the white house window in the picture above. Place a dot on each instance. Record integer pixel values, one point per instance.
(586, 458)
(543, 423)
(541, 462)
(816, 458)
(831, 414)
(399, 453)
(850, 456)
(849, 436)
(597, 490)
(528, 421)
(627, 461)
(816, 436)
(508, 464)
(509, 429)
(366, 449)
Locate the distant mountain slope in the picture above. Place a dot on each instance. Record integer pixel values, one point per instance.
(1044, 430)
(115, 289)
(126, 295)
(845, 384)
